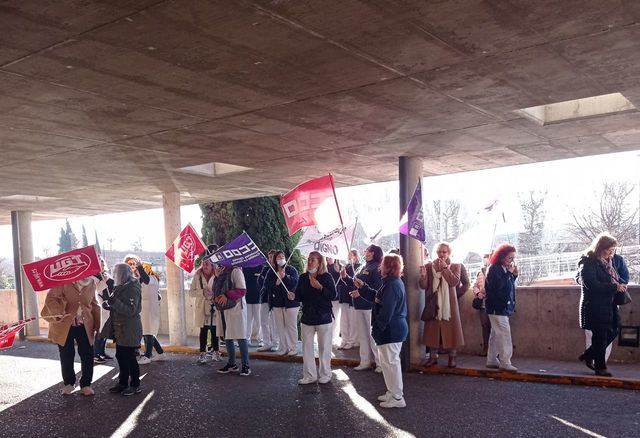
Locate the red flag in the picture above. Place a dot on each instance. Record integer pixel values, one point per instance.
(185, 248)
(63, 268)
(300, 206)
(8, 332)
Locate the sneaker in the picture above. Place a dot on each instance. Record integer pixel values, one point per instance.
(306, 381)
(161, 357)
(117, 389)
(385, 397)
(216, 356)
(603, 373)
(99, 360)
(324, 380)
(254, 343)
(378, 369)
(292, 353)
(348, 346)
(493, 365)
(508, 368)
(342, 347)
(245, 370)
(86, 390)
(281, 352)
(202, 359)
(143, 360)
(264, 348)
(363, 367)
(228, 369)
(106, 357)
(131, 390)
(67, 389)
(394, 403)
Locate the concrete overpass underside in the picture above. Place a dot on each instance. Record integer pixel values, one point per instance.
(103, 104)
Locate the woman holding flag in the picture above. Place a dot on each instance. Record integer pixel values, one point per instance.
(370, 278)
(284, 307)
(74, 317)
(316, 290)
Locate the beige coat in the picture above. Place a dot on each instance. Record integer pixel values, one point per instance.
(202, 294)
(65, 300)
(449, 331)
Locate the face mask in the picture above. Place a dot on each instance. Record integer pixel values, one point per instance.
(281, 262)
(84, 282)
(312, 271)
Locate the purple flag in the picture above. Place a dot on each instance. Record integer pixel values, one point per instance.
(241, 251)
(412, 222)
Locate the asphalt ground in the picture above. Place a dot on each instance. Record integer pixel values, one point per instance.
(183, 399)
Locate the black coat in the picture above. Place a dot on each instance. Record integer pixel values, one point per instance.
(316, 303)
(597, 310)
(277, 292)
(344, 289)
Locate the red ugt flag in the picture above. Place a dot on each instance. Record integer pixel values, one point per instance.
(300, 205)
(185, 248)
(62, 269)
(8, 332)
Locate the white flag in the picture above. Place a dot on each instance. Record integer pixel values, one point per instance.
(331, 244)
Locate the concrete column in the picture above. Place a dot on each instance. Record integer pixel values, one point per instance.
(23, 253)
(175, 283)
(410, 171)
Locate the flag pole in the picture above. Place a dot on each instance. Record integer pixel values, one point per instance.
(346, 241)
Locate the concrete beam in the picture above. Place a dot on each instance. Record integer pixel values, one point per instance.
(23, 253)
(175, 282)
(410, 172)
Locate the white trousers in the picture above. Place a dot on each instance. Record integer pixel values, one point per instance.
(253, 322)
(324, 351)
(500, 343)
(368, 349)
(588, 335)
(287, 325)
(335, 324)
(391, 368)
(268, 326)
(347, 324)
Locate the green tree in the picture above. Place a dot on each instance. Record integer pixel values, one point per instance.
(261, 218)
(67, 240)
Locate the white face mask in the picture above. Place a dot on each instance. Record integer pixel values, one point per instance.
(84, 282)
(281, 262)
(312, 271)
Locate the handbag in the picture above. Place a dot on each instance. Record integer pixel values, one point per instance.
(622, 298)
(477, 303)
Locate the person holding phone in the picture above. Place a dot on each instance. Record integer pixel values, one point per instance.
(443, 282)
(500, 288)
(598, 312)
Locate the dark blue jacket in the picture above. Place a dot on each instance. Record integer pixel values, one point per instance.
(251, 280)
(372, 279)
(316, 304)
(500, 286)
(277, 293)
(621, 268)
(343, 289)
(389, 315)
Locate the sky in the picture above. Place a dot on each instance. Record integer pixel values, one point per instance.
(570, 184)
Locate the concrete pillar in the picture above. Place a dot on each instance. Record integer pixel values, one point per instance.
(23, 253)
(175, 283)
(410, 171)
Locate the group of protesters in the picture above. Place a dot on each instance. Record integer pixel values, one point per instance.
(352, 304)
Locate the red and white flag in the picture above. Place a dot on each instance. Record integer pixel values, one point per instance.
(62, 269)
(8, 332)
(186, 248)
(311, 203)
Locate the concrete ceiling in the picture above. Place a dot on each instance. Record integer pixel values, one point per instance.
(102, 101)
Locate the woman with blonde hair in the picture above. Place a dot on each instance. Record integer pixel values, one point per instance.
(150, 315)
(443, 282)
(598, 312)
(316, 290)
